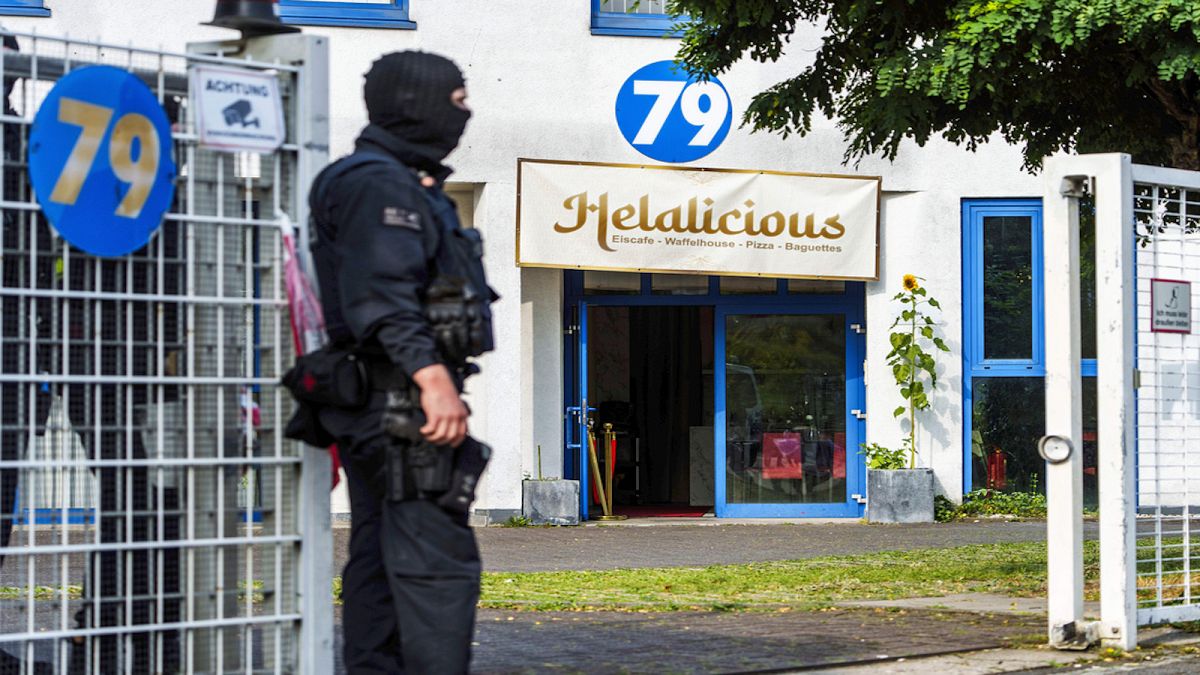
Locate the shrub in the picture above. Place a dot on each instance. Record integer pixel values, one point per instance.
(996, 503)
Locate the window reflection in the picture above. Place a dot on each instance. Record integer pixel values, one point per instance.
(748, 286)
(1008, 418)
(611, 283)
(1007, 287)
(785, 409)
(815, 286)
(678, 284)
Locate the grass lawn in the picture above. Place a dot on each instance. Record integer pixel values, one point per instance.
(1011, 569)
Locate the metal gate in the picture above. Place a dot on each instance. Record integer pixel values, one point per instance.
(153, 518)
(1148, 363)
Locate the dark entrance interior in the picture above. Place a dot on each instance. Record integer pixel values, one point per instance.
(650, 375)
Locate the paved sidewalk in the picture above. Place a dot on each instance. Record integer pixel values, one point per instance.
(540, 549)
(993, 635)
(712, 642)
(718, 642)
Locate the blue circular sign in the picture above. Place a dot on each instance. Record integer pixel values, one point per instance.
(100, 160)
(671, 117)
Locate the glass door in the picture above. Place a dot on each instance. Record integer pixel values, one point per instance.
(578, 412)
(787, 421)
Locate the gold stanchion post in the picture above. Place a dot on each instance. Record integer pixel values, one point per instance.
(596, 476)
(609, 466)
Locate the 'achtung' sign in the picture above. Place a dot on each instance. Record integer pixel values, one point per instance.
(577, 215)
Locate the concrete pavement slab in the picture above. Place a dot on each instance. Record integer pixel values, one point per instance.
(982, 662)
(976, 602)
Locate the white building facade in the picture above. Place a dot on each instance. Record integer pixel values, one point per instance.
(664, 357)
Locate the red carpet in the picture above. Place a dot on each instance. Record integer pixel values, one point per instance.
(663, 511)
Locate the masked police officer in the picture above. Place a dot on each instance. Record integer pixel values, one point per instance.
(404, 296)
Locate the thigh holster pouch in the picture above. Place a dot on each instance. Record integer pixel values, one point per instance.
(418, 471)
(447, 476)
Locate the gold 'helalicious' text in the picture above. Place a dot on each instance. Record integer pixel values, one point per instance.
(695, 217)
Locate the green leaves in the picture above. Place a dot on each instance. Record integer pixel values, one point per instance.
(880, 458)
(1085, 75)
(914, 368)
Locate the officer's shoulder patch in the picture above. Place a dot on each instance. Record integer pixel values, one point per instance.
(398, 217)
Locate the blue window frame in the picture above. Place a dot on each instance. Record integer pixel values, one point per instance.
(634, 18)
(743, 296)
(1004, 333)
(23, 8)
(390, 14)
(1002, 246)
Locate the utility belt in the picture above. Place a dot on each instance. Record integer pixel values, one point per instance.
(340, 377)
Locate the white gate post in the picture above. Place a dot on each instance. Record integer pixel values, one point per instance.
(314, 578)
(315, 582)
(316, 560)
(1116, 328)
(1064, 417)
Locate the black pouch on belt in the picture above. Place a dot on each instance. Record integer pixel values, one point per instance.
(329, 376)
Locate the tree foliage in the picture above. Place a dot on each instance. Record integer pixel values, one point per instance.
(1049, 75)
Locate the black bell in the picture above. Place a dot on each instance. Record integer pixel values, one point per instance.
(252, 17)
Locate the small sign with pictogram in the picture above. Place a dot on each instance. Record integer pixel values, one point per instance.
(237, 110)
(1170, 306)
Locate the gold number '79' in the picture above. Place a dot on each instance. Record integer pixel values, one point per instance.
(139, 173)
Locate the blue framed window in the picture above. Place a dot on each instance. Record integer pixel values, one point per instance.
(635, 18)
(1004, 345)
(744, 315)
(350, 13)
(23, 8)
(1002, 258)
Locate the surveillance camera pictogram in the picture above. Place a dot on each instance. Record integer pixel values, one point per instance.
(238, 113)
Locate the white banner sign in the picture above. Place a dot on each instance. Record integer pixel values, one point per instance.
(237, 110)
(576, 215)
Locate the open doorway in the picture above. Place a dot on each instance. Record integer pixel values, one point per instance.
(651, 378)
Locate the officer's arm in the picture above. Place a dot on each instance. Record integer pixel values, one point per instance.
(386, 236)
(387, 239)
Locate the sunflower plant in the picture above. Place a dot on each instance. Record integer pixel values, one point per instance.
(914, 341)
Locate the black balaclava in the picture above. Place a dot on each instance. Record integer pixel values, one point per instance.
(408, 95)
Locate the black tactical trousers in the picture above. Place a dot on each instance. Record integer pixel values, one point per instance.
(412, 581)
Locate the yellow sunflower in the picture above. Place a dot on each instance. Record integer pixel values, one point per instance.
(910, 283)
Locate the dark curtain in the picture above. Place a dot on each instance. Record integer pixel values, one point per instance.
(665, 374)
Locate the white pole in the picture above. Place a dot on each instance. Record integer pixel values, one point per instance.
(1115, 353)
(314, 648)
(1064, 418)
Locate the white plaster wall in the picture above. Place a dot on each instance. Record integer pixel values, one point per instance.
(543, 87)
(919, 236)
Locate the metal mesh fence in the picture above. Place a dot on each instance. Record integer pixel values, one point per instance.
(148, 501)
(1167, 223)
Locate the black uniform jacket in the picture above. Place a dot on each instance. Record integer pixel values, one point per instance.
(375, 243)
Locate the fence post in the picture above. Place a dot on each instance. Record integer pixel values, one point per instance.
(316, 568)
(315, 573)
(1116, 327)
(1064, 416)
